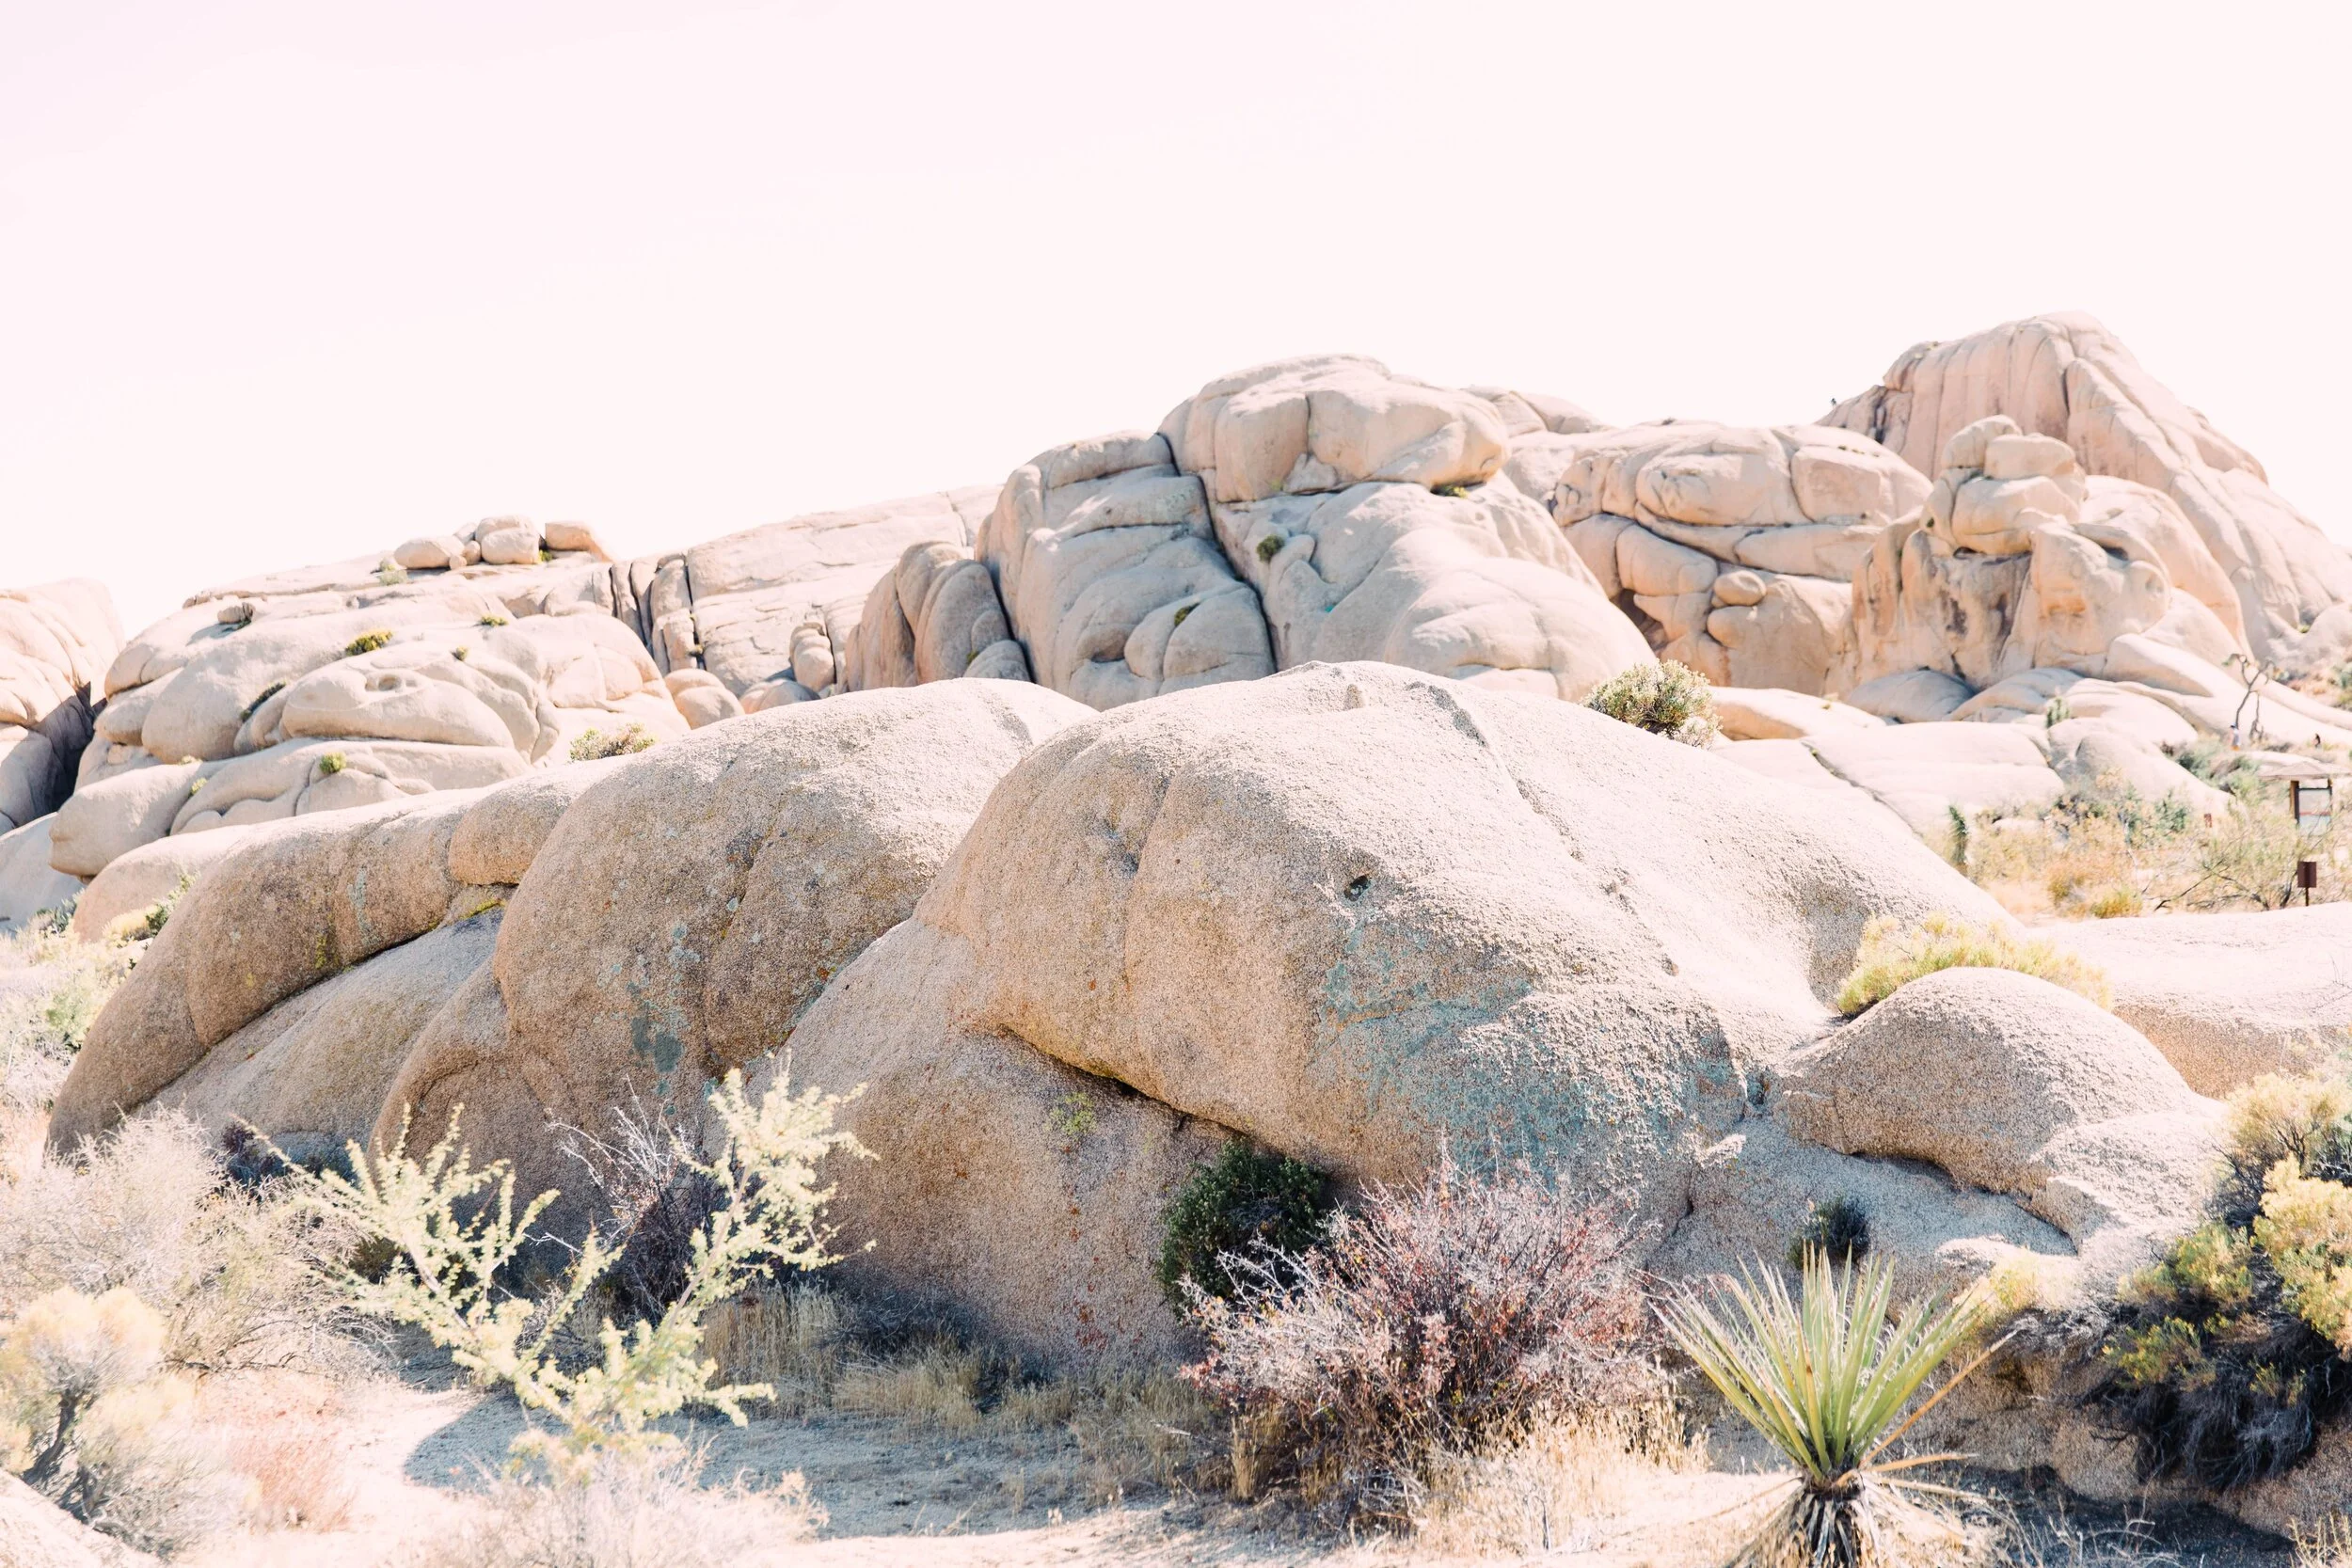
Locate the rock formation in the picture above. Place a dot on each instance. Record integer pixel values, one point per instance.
(2067, 378)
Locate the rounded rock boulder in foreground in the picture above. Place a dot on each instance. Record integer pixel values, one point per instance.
(1352, 911)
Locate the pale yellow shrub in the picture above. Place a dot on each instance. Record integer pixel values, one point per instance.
(1892, 955)
(2306, 1228)
(1561, 1487)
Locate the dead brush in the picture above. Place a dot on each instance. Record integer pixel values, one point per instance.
(1560, 1486)
(794, 1337)
(293, 1453)
(1432, 1323)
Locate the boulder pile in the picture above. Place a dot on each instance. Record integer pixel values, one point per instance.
(1227, 781)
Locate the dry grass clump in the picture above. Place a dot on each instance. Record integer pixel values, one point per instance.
(1560, 1486)
(1431, 1323)
(624, 1515)
(2324, 1543)
(2106, 852)
(1893, 954)
(795, 1338)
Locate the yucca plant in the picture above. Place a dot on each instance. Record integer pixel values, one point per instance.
(1826, 1378)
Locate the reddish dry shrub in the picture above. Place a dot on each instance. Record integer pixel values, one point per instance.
(1431, 1321)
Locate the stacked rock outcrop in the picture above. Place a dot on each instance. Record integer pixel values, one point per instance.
(2067, 377)
(55, 640)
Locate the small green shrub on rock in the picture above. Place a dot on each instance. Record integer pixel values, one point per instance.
(367, 642)
(1245, 1205)
(1667, 698)
(1892, 955)
(596, 745)
(2226, 1358)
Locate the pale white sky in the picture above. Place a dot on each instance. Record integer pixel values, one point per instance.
(285, 281)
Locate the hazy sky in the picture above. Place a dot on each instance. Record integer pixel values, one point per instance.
(282, 283)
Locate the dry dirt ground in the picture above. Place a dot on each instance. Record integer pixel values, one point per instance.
(895, 1494)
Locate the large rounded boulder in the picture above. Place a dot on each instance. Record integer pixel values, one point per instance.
(1352, 912)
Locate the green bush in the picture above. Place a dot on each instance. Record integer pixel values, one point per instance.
(332, 763)
(391, 573)
(2224, 1360)
(1245, 1204)
(1667, 698)
(367, 642)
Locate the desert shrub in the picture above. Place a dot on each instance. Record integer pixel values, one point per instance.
(92, 1419)
(232, 1272)
(2225, 1359)
(332, 763)
(1892, 955)
(42, 1024)
(1825, 1378)
(457, 1234)
(624, 1515)
(492, 620)
(1247, 1205)
(656, 1202)
(367, 642)
(2250, 859)
(1840, 1230)
(596, 745)
(391, 573)
(1429, 1323)
(2057, 711)
(2221, 765)
(1667, 698)
(147, 924)
(1268, 547)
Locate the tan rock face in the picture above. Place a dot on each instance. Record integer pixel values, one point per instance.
(787, 841)
(1327, 422)
(2013, 1084)
(1210, 900)
(2066, 378)
(322, 698)
(1734, 545)
(1999, 573)
(1111, 576)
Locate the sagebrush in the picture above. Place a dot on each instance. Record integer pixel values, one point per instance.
(1429, 1323)
(1666, 698)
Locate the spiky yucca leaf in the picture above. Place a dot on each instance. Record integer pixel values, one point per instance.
(1825, 1377)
